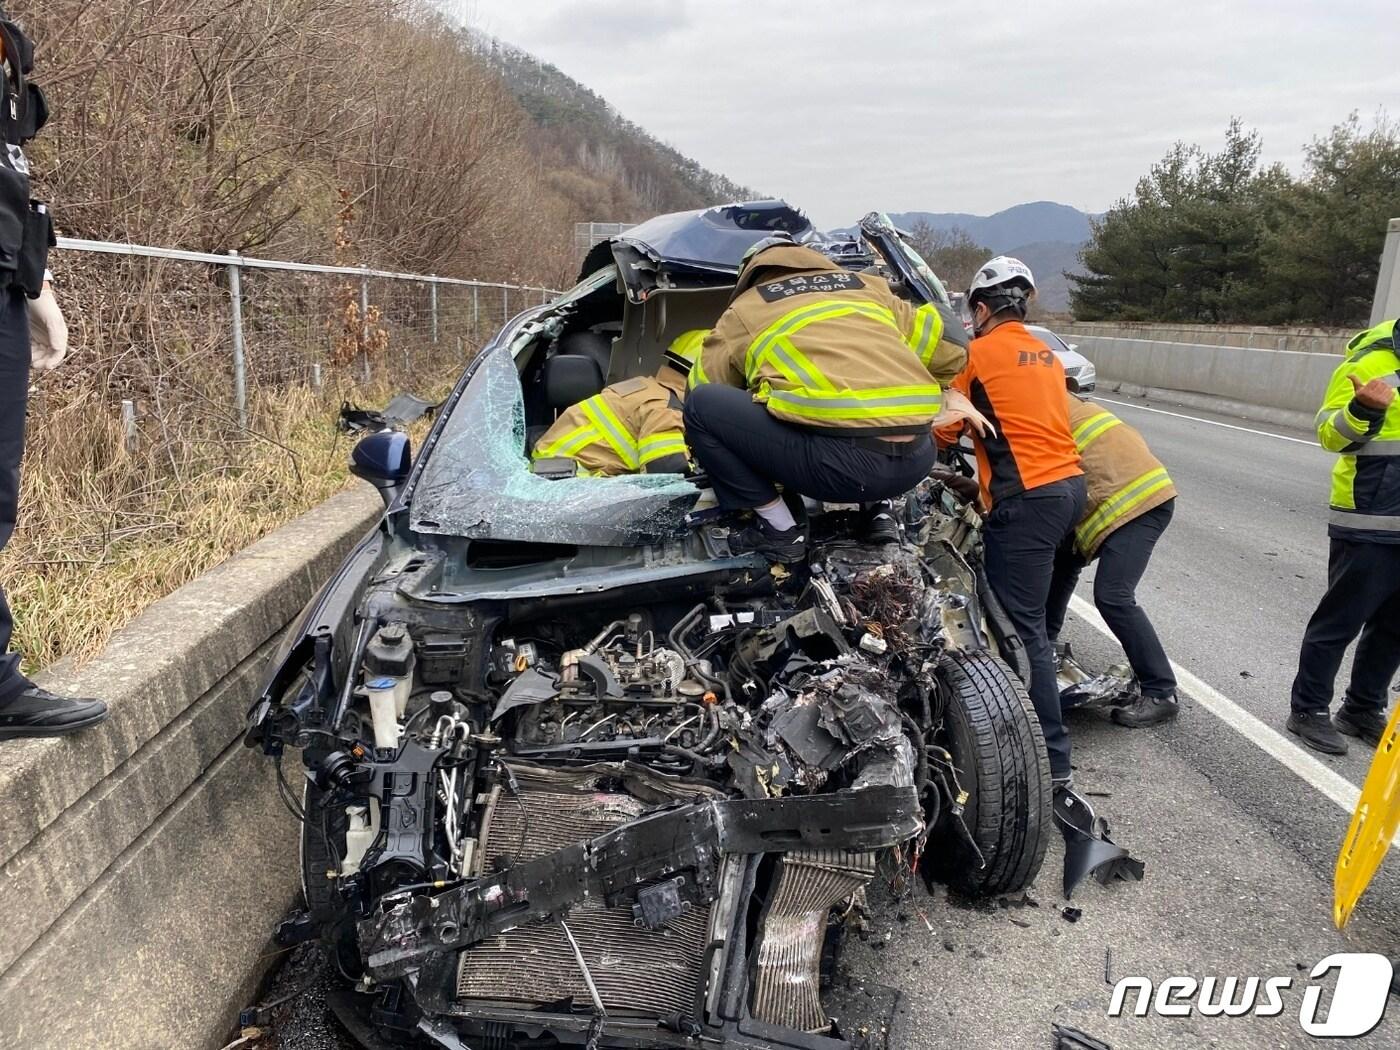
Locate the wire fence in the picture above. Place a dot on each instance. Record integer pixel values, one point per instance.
(587, 234)
(143, 316)
(196, 412)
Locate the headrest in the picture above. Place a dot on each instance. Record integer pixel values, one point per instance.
(571, 378)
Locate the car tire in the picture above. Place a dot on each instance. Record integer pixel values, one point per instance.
(998, 749)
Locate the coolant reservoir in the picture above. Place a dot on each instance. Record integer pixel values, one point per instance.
(361, 829)
(390, 655)
(383, 693)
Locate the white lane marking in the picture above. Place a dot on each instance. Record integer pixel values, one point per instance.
(1212, 422)
(1313, 770)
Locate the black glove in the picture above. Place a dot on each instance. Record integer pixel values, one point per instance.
(964, 488)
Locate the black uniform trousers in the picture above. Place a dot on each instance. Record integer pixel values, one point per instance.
(1022, 534)
(1363, 596)
(14, 401)
(1122, 558)
(744, 450)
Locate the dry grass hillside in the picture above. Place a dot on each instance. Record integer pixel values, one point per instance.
(355, 132)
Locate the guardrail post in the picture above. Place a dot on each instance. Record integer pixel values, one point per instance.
(364, 320)
(129, 432)
(432, 292)
(476, 309)
(505, 303)
(240, 376)
(316, 375)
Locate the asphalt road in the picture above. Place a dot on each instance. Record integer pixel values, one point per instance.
(1239, 843)
(1238, 827)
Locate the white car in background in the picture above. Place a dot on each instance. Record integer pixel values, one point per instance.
(1078, 368)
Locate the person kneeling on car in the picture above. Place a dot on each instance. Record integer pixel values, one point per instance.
(632, 426)
(1130, 505)
(823, 381)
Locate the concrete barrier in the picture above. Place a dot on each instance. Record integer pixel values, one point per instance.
(1283, 385)
(143, 862)
(1258, 337)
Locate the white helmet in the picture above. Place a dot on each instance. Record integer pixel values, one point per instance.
(999, 276)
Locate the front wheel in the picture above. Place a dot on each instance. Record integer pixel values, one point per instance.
(998, 750)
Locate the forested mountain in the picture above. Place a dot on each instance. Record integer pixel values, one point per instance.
(614, 170)
(1044, 235)
(374, 131)
(1033, 223)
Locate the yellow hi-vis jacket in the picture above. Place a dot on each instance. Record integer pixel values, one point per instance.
(1125, 480)
(1366, 479)
(827, 348)
(632, 426)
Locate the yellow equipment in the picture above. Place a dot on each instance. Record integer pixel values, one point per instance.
(1373, 825)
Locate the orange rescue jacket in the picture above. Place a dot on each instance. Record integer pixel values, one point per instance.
(1014, 380)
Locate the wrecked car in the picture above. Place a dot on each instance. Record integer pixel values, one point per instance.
(572, 774)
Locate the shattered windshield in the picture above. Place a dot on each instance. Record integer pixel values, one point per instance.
(477, 480)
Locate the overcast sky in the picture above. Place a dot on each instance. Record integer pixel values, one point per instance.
(841, 106)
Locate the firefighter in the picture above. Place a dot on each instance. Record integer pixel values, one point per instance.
(25, 290)
(1130, 503)
(632, 426)
(1360, 420)
(821, 380)
(1028, 468)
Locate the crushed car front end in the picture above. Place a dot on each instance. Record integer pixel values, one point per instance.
(575, 776)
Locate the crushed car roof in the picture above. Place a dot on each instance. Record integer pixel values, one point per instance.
(711, 239)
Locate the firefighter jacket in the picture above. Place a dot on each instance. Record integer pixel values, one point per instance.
(1014, 380)
(830, 349)
(632, 426)
(1125, 480)
(1365, 502)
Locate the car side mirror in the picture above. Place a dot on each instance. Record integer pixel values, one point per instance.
(383, 459)
(1072, 346)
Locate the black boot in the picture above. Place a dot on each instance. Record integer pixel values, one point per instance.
(783, 548)
(37, 712)
(1142, 711)
(881, 525)
(1317, 731)
(1366, 724)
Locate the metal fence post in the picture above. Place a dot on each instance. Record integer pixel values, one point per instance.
(476, 309)
(364, 320)
(505, 303)
(240, 376)
(316, 376)
(432, 290)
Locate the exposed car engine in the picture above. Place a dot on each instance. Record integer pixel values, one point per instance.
(657, 812)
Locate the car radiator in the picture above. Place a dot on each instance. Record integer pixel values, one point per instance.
(636, 970)
(787, 974)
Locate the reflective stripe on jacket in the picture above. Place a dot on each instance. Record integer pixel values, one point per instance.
(631, 426)
(1365, 501)
(1125, 480)
(827, 348)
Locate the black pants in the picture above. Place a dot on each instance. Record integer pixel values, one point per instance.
(14, 400)
(745, 450)
(1022, 534)
(1122, 559)
(1363, 595)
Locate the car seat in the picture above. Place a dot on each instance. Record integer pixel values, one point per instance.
(578, 369)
